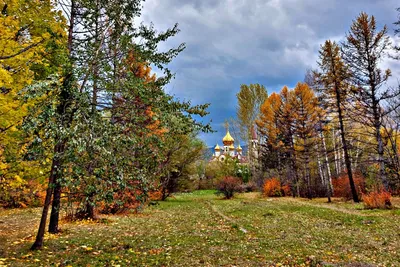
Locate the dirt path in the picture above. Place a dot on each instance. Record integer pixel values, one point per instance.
(214, 209)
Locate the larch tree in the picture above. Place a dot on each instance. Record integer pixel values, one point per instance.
(270, 130)
(363, 50)
(286, 121)
(306, 118)
(334, 78)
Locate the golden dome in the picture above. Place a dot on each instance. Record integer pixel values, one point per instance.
(228, 139)
(217, 147)
(231, 147)
(239, 148)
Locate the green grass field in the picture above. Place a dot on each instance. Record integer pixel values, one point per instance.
(201, 229)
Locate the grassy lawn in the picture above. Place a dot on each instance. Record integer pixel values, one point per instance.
(200, 229)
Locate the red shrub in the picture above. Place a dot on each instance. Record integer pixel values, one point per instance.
(273, 188)
(228, 186)
(377, 200)
(341, 186)
(286, 190)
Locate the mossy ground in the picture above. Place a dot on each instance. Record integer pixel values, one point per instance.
(188, 230)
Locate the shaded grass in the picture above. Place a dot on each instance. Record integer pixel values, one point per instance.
(185, 231)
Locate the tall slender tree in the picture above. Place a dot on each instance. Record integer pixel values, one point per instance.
(334, 79)
(364, 48)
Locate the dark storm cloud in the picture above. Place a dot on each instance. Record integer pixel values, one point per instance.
(234, 42)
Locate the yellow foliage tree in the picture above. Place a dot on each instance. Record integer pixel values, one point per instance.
(31, 35)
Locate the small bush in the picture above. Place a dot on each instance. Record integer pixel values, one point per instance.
(273, 188)
(341, 186)
(377, 200)
(228, 186)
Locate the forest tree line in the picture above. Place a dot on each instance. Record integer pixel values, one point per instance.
(341, 124)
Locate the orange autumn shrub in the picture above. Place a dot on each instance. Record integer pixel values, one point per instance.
(156, 195)
(273, 188)
(377, 200)
(341, 186)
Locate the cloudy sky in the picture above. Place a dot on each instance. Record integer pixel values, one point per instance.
(234, 42)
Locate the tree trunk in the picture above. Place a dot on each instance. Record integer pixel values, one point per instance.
(320, 169)
(293, 168)
(55, 209)
(328, 169)
(307, 171)
(358, 149)
(344, 143)
(49, 192)
(337, 169)
(381, 159)
(60, 147)
(90, 214)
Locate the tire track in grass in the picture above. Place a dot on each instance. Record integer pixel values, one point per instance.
(214, 209)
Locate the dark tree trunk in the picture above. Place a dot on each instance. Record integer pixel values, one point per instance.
(54, 183)
(54, 216)
(347, 160)
(345, 148)
(49, 192)
(90, 214)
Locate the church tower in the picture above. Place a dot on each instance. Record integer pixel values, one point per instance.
(228, 143)
(217, 150)
(228, 150)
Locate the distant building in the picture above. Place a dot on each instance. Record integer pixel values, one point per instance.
(228, 150)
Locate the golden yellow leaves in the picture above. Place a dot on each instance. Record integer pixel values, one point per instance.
(86, 248)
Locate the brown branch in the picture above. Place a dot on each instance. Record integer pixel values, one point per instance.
(22, 50)
(4, 11)
(2, 130)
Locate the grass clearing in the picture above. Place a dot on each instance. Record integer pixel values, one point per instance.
(189, 230)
